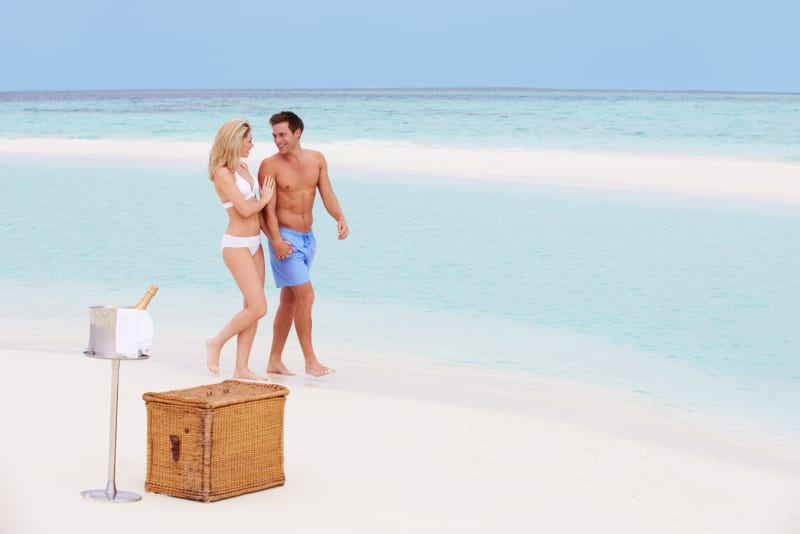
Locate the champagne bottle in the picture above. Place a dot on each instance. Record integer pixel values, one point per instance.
(146, 298)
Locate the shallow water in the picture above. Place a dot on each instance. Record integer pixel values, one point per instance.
(688, 301)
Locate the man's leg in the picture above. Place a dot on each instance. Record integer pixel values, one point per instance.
(280, 331)
(303, 301)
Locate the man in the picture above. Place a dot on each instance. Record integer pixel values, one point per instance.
(286, 221)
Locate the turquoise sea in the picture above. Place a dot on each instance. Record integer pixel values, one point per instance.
(689, 301)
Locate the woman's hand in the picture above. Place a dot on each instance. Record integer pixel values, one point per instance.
(268, 188)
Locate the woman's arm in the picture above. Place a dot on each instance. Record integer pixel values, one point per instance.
(269, 219)
(225, 182)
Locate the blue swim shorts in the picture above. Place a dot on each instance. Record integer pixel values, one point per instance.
(294, 270)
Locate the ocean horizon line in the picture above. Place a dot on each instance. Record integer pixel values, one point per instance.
(266, 90)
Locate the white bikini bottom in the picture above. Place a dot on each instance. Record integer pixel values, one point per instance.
(252, 242)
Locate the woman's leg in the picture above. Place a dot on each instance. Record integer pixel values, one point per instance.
(245, 273)
(244, 341)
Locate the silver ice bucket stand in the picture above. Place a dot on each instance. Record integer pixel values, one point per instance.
(110, 331)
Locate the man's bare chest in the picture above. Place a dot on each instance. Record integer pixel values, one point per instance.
(291, 180)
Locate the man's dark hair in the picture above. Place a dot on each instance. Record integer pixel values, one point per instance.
(295, 122)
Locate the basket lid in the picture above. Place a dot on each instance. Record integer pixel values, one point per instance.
(219, 394)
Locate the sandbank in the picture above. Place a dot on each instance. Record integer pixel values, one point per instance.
(734, 178)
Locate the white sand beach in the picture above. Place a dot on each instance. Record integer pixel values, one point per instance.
(717, 177)
(393, 443)
(393, 446)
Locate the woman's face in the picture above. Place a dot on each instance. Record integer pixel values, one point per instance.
(247, 145)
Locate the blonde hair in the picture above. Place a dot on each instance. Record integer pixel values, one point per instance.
(227, 148)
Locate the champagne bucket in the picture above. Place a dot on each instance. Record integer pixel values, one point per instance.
(119, 332)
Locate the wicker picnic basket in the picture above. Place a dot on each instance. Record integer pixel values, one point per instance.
(215, 441)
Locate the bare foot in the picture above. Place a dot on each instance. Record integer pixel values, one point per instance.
(212, 357)
(319, 370)
(278, 368)
(247, 374)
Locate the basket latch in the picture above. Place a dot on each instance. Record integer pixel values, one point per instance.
(176, 447)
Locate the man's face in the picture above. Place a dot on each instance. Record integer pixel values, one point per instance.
(285, 140)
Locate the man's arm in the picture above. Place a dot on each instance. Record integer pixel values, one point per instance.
(329, 199)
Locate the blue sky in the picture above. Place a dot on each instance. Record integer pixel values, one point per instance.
(567, 44)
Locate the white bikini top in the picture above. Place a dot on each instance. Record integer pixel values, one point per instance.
(245, 188)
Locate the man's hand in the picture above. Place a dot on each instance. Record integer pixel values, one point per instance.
(343, 229)
(282, 249)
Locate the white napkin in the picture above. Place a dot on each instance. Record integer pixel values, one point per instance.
(134, 332)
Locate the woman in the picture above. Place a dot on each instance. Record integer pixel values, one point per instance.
(241, 244)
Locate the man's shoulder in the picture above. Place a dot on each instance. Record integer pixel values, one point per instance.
(314, 153)
(315, 157)
(270, 159)
(270, 162)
